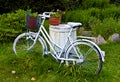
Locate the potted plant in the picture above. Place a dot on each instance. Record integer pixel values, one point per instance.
(55, 18)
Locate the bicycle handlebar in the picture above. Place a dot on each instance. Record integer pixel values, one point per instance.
(45, 14)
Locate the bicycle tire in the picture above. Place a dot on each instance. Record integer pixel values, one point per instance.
(92, 62)
(25, 40)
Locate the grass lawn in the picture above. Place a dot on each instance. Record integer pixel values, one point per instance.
(46, 69)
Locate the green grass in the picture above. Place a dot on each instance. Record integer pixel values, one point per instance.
(46, 69)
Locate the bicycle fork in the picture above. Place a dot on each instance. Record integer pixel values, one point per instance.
(35, 40)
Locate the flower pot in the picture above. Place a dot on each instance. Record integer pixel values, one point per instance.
(55, 21)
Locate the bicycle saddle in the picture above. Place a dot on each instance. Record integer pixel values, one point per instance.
(74, 24)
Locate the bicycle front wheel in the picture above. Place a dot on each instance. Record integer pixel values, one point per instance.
(24, 41)
(86, 56)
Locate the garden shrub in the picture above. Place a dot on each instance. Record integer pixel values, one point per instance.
(106, 28)
(77, 16)
(95, 12)
(98, 18)
(105, 20)
(113, 11)
(12, 24)
(95, 3)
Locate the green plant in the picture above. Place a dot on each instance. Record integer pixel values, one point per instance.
(12, 24)
(34, 15)
(106, 27)
(55, 18)
(95, 3)
(55, 14)
(30, 13)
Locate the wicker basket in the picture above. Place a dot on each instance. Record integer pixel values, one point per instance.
(32, 23)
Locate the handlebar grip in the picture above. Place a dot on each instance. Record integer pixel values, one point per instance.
(45, 14)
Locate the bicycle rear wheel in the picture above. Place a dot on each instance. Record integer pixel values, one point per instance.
(89, 53)
(24, 41)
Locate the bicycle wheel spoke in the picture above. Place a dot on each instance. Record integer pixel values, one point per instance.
(24, 41)
(89, 54)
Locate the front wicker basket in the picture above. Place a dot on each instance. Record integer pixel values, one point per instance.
(32, 23)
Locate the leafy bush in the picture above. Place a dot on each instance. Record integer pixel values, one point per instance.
(106, 28)
(101, 21)
(77, 16)
(95, 3)
(112, 11)
(11, 24)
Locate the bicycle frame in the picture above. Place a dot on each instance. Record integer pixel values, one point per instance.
(58, 55)
(51, 43)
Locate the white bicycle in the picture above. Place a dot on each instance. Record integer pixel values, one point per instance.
(82, 51)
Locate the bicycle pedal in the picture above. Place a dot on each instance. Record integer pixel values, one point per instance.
(47, 53)
(62, 61)
(79, 61)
